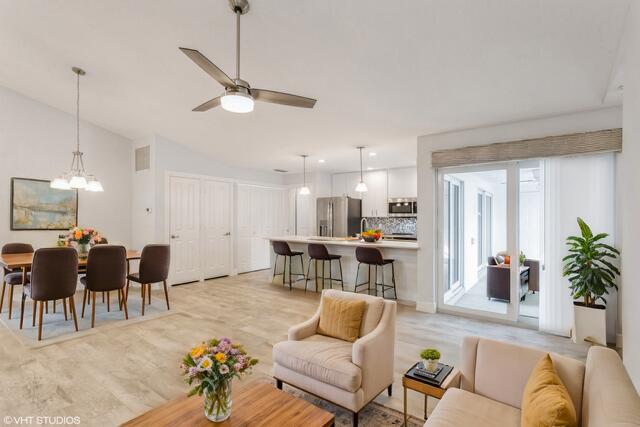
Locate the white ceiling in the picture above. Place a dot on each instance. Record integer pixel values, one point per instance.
(383, 72)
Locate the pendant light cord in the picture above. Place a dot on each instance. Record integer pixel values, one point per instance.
(77, 111)
(361, 179)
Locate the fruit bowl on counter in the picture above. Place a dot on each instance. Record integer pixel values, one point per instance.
(371, 236)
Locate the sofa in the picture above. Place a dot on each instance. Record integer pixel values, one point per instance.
(347, 374)
(498, 279)
(493, 375)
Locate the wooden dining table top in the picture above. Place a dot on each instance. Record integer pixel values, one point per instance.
(13, 261)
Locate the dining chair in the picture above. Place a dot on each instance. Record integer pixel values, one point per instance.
(106, 272)
(13, 277)
(154, 268)
(54, 275)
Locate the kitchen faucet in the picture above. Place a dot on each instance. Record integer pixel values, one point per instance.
(363, 221)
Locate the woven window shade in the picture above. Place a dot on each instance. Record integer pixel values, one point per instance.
(561, 145)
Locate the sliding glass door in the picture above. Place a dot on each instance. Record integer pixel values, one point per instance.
(477, 219)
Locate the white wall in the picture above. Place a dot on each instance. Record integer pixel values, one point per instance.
(579, 122)
(36, 141)
(629, 202)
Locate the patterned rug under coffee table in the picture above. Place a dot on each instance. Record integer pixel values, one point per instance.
(372, 415)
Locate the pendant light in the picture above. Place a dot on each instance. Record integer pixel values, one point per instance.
(361, 187)
(304, 191)
(77, 178)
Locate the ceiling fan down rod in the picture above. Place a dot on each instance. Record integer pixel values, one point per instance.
(238, 14)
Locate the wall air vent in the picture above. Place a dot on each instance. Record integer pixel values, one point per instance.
(143, 158)
(280, 170)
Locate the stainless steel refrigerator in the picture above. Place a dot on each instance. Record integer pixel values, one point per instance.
(338, 216)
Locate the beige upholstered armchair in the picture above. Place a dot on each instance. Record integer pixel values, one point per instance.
(347, 374)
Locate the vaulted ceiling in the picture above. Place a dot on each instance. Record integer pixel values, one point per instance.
(383, 72)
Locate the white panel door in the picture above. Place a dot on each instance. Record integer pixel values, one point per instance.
(244, 228)
(216, 228)
(184, 225)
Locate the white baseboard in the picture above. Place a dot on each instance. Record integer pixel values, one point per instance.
(618, 340)
(426, 306)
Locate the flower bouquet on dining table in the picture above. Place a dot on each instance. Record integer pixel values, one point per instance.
(211, 366)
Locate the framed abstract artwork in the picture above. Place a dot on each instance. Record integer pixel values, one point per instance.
(37, 206)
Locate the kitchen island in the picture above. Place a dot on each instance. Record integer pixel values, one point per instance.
(403, 252)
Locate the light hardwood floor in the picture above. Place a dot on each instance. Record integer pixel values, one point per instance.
(119, 372)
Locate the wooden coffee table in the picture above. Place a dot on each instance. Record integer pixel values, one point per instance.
(256, 404)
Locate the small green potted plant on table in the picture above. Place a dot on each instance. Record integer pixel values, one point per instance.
(430, 358)
(591, 273)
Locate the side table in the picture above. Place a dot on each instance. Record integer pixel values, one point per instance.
(452, 380)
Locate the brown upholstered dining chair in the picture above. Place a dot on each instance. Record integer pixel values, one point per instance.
(106, 272)
(13, 277)
(54, 275)
(154, 268)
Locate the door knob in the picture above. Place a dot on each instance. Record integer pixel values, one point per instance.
(228, 233)
(175, 236)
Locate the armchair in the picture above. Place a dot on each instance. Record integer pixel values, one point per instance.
(347, 374)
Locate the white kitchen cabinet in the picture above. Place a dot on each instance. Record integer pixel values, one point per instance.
(344, 184)
(374, 201)
(403, 183)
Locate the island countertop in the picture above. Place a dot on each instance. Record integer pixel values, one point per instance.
(341, 241)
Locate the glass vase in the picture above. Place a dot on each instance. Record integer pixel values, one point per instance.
(217, 403)
(83, 250)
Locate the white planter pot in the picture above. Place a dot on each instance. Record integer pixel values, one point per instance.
(589, 323)
(430, 364)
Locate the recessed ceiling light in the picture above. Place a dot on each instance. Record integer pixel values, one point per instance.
(369, 168)
(321, 161)
(372, 154)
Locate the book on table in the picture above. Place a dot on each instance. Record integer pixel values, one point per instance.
(434, 378)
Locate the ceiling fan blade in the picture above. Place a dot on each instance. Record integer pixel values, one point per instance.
(208, 66)
(282, 98)
(208, 105)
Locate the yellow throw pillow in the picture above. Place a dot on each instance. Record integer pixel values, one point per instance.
(546, 401)
(341, 318)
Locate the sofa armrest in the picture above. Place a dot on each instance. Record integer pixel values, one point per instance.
(374, 353)
(453, 380)
(305, 329)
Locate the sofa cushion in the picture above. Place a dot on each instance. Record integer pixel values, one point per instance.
(372, 312)
(341, 318)
(461, 408)
(546, 401)
(323, 358)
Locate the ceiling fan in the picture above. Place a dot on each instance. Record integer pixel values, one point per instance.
(238, 95)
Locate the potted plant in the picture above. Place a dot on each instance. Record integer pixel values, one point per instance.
(212, 365)
(430, 358)
(591, 272)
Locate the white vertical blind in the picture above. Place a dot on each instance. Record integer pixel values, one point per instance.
(580, 186)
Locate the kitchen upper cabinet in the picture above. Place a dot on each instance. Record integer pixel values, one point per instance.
(374, 201)
(344, 184)
(403, 183)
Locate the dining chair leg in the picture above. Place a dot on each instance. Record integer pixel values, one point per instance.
(126, 292)
(124, 305)
(42, 304)
(4, 285)
(108, 301)
(10, 300)
(72, 307)
(142, 286)
(64, 306)
(93, 308)
(22, 309)
(46, 307)
(84, 301)
(33, 319)
(149, 292)
(166, 294)
(54, 306)
(103, 297)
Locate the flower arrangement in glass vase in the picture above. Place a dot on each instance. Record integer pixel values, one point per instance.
(212, 365)
(84, 237)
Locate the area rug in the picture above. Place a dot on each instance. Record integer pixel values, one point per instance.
(373, 415)
(56, 329)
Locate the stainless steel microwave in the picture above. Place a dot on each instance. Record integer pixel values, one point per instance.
(406, 207)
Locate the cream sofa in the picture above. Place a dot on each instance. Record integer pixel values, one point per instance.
(494, 374)
(347, 374)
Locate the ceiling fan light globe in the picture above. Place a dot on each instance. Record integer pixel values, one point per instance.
(78, 182)
(361, 187)
(304, 191)
(237, 102)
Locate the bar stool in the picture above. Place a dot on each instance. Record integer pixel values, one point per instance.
(282, 249)
(373, 258)
(318, 252)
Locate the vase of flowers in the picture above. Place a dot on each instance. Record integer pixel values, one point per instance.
(84, 238)
(212, 366)
(430, 358)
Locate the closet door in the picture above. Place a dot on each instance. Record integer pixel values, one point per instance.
(216, 228)
(244, 228)
(184, 225)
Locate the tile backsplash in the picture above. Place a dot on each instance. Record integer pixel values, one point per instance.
(393, 225)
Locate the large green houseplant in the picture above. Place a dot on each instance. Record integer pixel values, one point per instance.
(589, 265)
(591, 272)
